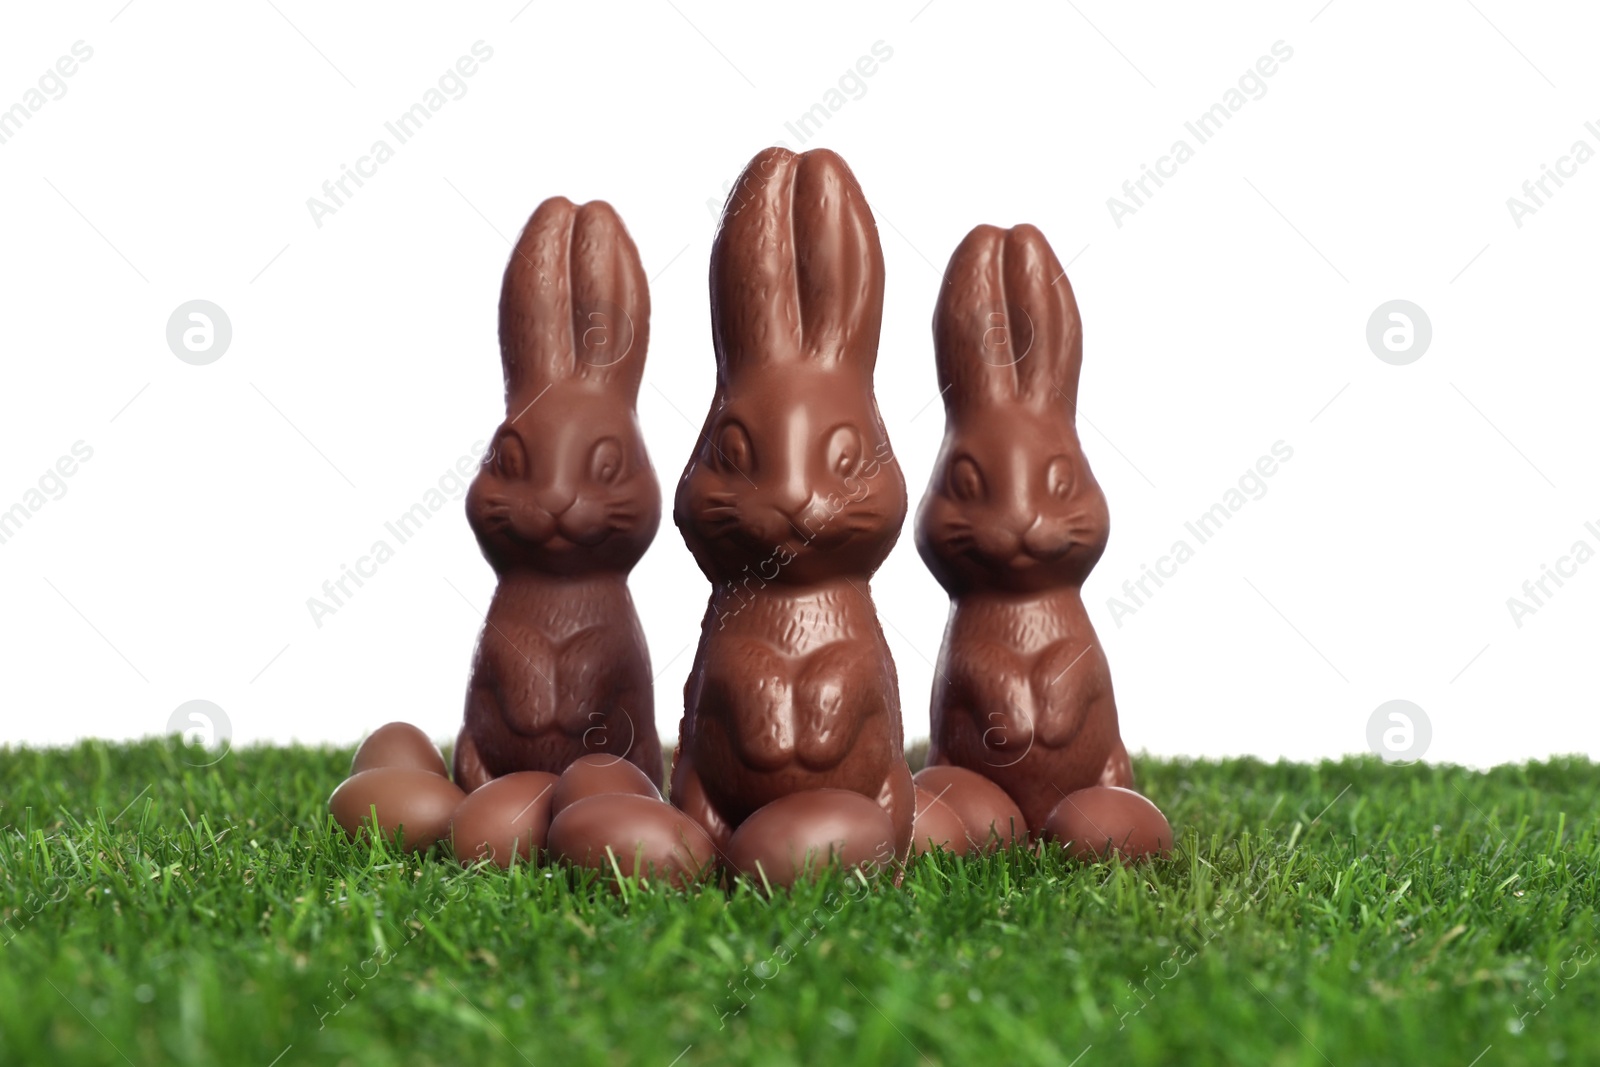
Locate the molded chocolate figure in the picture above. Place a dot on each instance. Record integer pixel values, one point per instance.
(789, 505)
(565, 504)
(1012, 523)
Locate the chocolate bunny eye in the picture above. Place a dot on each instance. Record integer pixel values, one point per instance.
(733, 448)
(1059, 476)
(844, 450)
(510, 461)
(605, 460)
(966, 482)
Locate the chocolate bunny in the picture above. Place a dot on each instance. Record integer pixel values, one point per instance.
(789, 504)
(563, 507)
(1011, 525)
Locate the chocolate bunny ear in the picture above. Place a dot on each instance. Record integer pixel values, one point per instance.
(575, 303)
(796, 270)
(1006, 326)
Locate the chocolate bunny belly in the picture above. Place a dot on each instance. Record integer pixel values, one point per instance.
(1024, 697)
(792, 691)
(562, 671)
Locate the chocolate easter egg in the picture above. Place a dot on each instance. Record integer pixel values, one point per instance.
(420, 802)
(510, 816)
(398, 744)
(991, 817)
(598, 773)
(810, 830)
(936, 825)
(641, 835)
(1106, 818)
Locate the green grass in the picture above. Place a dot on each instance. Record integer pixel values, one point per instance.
(1342, 913)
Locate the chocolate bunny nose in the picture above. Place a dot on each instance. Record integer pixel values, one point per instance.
(555, 503)
(1043, 544)
(809, 517)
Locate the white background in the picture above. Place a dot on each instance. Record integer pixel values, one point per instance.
(1226, 314)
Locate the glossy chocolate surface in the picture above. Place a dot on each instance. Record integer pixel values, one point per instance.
(398, 744)
(1100, 820)
(991, 818)
(594, 775)
(937, 825)
(563, 507)
(639, 835)
(789, 503)
(505, 818)
(801, 834)
(418, 802)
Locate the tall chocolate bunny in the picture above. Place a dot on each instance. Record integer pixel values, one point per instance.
(565, 504)
(789, 504)
(1011, 525)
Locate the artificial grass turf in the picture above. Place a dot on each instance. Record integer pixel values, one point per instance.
(1341, 913)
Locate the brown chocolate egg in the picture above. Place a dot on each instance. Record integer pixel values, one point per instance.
(936, 824)
(642, 835)
(419, 801)
(991, 817)
(598, 773)
(509, 816)
(1103, 818)
(810, 830)
(398, 744)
